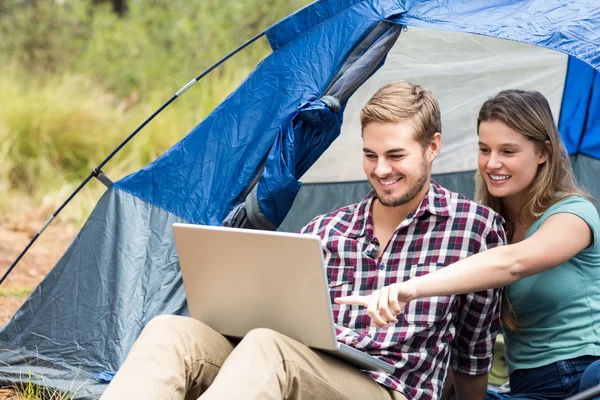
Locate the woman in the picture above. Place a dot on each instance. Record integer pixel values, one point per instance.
(551, 267)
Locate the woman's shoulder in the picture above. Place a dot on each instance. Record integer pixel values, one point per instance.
(577, 205)
(572, 203)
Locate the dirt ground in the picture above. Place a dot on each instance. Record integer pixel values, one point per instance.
(7, 394)
(15, 233)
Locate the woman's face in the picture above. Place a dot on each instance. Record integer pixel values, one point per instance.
(508, 161)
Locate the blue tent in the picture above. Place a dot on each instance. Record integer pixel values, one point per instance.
(241, 166)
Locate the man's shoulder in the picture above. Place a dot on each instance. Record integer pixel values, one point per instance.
(341, 218)
(464, 207)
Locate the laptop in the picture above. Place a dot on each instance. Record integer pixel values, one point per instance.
(237, 280)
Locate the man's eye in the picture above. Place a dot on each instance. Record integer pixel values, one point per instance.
(397, 157)
(370, 156)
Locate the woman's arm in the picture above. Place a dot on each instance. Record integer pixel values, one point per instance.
(560, 237)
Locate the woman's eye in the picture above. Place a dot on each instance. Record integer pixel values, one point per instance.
(484, 151)
(508, 152)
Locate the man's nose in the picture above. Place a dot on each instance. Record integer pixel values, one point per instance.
(383, 168)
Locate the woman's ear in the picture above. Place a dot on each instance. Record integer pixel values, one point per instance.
(547, 149)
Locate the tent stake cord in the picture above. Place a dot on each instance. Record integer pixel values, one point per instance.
(97, 171)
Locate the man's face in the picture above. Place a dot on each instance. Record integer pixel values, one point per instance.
(396, 165)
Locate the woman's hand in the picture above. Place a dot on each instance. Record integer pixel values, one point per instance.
(385, 304)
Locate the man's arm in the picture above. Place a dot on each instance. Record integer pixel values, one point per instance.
(469, 387)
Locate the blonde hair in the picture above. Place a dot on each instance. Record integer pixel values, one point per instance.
(528, 113)
(401, 101)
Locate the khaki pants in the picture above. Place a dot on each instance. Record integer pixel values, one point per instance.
(181, 358)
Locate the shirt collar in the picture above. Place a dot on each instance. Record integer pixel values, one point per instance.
(435, 202)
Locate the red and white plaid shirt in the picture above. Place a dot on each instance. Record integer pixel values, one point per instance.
(445, 228)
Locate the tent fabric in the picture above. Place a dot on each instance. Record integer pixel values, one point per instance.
(569, 27)
(462, 71)
(122, 263)
(313, 127)
(580, 111)
(122, 268)
(22, 367)
(120, 271)
(587, 171)
(310, 132)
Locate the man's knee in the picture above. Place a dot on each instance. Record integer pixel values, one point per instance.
(274, 346)
(591, 376)
(265, 336)
(168, 322)
(174, 326)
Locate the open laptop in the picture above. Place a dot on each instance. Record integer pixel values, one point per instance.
(237, 280)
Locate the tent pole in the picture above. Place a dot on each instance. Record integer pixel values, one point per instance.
(589, 394)
(98, 172)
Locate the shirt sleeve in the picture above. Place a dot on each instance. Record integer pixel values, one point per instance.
(580, 207)
(361, 341)
(478, 318)
(312, 227)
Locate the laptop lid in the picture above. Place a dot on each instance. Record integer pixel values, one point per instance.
(237, 280)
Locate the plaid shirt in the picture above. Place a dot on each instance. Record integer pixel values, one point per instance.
(445, 228)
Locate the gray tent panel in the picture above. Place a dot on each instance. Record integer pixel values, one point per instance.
(19, 368)
(587, 171)
(123, 262)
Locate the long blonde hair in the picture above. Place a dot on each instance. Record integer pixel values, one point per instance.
(528, 113)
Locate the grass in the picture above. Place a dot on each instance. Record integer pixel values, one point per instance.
(54, 131)
(33, 387)
(17, 293)
(30, 390)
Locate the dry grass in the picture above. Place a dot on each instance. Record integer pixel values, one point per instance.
(8, 394)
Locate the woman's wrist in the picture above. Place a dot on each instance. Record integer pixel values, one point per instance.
(410, 291)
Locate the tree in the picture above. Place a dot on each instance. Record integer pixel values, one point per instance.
(118, 6)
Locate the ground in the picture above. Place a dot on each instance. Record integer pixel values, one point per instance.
(15, 232)
(7, 394)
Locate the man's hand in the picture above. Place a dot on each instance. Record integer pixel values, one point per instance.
(385, 304)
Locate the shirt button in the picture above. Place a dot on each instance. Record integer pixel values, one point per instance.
(382, 266)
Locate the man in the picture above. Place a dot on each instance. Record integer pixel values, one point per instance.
(407, 226)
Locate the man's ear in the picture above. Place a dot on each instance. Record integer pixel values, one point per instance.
(435, 146)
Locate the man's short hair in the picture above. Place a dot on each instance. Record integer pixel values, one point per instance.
(401, 101)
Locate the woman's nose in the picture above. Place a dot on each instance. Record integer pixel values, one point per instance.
(494, 161)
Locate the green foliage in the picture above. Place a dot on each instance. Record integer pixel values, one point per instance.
(18, 293)
(159, 43)
(41, 35)
(53, 132)
(77, 79)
